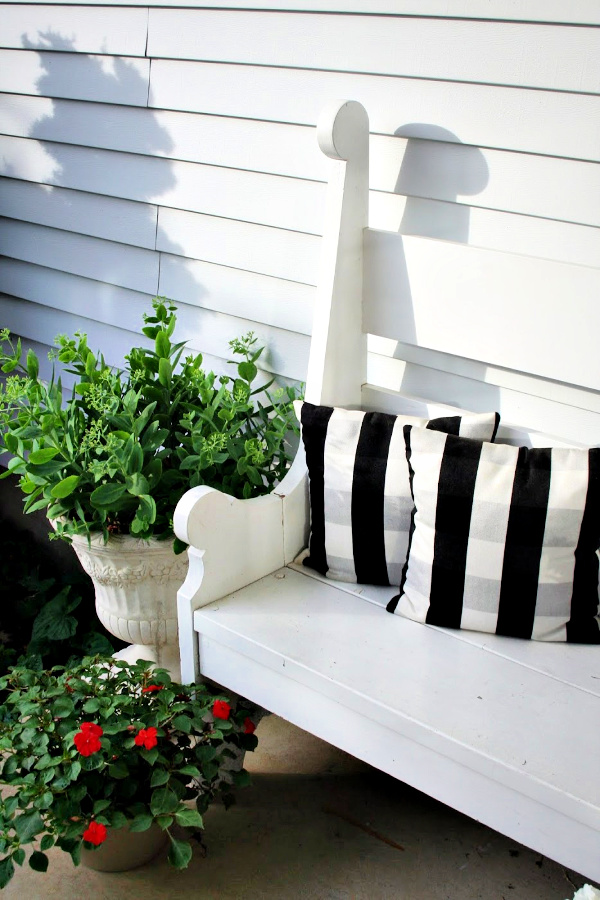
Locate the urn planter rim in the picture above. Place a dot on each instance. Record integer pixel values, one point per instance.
(125, 543)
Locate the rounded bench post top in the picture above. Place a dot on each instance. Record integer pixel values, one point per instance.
(343, 129)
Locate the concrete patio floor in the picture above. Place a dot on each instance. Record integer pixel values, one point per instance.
(318, 824)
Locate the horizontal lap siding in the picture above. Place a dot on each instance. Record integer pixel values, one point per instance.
(258, 248)
(92, 305)
(426, 48)
(66, 251)
(435, 169)
(482, 114)
(492, 229)
(93, 214)
(583, 11)
(81, 29)
(153, 149)
(235, 143)
(560, 413)
(99, 79)
(232, 193)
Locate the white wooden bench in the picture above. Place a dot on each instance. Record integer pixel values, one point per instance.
(504, 730)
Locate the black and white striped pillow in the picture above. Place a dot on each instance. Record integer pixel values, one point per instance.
(359, 489)
(503, 539)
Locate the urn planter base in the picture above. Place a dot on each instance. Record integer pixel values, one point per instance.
(166, 658)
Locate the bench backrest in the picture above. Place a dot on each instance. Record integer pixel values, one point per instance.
(413, 324)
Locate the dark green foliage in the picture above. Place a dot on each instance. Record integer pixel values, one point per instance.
(47, 616)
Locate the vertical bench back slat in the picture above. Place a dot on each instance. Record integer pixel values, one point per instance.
(338, 350)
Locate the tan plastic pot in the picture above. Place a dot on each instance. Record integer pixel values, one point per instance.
(124, 849)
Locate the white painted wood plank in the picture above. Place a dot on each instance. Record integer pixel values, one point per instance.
(217, 140)
(257, 248)
(207, 331)
(580, 11)
(494, 229)
(102, 217)
(425, 292)
(549, 417)
(81, 29)
(270, 622)
(431, 48)
(250, 196)
(478, 114)
(107, 261)
(103, 79)
(273, 301)
(515, 182)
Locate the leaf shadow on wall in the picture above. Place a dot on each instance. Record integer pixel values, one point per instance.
(97, 171)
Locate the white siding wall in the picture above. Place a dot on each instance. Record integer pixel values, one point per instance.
(171, 149)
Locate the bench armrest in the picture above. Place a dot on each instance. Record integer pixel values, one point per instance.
(233, 543)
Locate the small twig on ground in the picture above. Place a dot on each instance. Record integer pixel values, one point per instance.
(366, 828)
(571, 882)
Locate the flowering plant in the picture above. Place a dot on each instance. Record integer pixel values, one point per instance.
(104, 744)
(119, 454)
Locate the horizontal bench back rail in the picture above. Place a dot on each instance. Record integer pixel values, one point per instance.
(505, 730)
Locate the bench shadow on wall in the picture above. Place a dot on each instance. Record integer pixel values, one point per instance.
(436, 173)
(145, 177)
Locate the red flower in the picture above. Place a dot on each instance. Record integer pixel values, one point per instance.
(92, 728)
(249, 726)
(221, 709)
(146, 737)
(87, 740)
(152, 687)
(95, 833)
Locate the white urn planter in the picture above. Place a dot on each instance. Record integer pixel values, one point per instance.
(136, 584)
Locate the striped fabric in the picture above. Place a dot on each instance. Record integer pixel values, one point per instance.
(503, 539)
(359, 489)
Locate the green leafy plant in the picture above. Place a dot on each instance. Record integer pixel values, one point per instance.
(47, 614)
(120, 452)
(106, 744)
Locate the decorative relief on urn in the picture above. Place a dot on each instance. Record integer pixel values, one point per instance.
(136, 584)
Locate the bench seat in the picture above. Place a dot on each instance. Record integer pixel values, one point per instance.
(474, 720)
